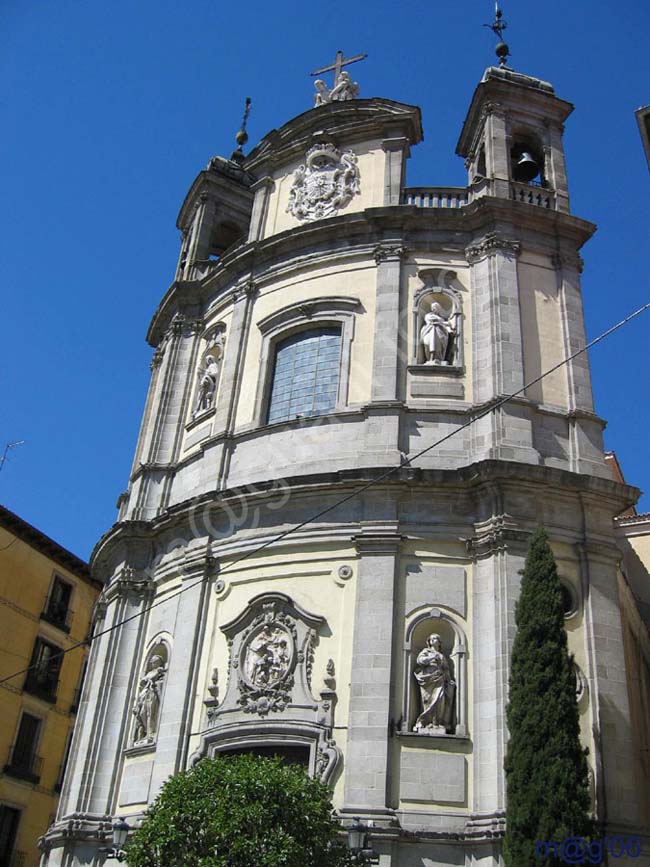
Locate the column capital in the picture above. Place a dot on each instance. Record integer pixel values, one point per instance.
(489, 245)
(378, 542)
(389, 253)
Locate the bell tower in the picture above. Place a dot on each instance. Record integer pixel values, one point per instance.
(512, 136)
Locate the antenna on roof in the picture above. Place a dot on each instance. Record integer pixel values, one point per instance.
(9, 446)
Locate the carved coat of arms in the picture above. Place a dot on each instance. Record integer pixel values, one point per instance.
(324, 184)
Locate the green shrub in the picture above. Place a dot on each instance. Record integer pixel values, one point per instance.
(239, 811)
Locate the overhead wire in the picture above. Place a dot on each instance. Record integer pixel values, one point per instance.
(357, 492)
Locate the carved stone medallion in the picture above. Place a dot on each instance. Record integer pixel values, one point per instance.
(324, 184)
(266, 656)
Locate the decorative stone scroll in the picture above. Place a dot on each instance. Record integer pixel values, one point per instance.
(325, 183)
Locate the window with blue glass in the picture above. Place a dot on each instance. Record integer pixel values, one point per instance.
(306, 374)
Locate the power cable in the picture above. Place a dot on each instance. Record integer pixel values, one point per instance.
(391, 471)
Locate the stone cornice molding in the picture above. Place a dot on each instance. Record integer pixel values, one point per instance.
(489, 245)
(378, 541)
(363, 231)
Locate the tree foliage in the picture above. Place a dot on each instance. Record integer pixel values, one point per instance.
(546, 766)
(238, 811)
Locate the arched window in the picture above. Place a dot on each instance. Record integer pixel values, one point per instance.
(306, 374)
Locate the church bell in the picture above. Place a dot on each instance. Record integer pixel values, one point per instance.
(526, 168)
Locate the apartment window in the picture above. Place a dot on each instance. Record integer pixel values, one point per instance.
(9, 819)
(43, 675)
(306, 374)
(57, 609)
(23, 761)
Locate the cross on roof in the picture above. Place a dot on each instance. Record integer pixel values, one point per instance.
(338, 65)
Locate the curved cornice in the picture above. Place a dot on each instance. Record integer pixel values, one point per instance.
(348, 234)
(473, 477)
(353, 120)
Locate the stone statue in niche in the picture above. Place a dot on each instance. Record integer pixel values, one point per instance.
(324, 184)
(147, 703)
(437, 690)
(268, 656)
(207, 385)
(438, 335)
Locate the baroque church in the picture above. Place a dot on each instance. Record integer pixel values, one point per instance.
(319, 551)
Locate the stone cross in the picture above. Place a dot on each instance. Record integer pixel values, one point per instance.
(338, 65)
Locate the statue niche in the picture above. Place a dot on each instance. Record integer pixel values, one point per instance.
(437, 322)
(209, 370)
(435, 682)
(146, 709)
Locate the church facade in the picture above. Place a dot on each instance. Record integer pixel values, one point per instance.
(333, 570)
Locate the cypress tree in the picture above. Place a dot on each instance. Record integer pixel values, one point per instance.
(546, 766)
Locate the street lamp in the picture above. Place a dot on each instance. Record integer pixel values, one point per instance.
(120, 833)
(359, 843)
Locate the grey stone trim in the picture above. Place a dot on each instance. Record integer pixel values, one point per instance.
(337, 310)
(433, 777)
(437, 389)
(367, 754)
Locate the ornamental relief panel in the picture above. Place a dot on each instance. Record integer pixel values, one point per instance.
(324, 184)
(268, 696)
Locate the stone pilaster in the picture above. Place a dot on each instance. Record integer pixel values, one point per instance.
(202, 226)
(367, 754)
(176, 717)
(387, 348)
(262, 189)
(396, 150)
(616, 801)
(105, 712)
(498, 361)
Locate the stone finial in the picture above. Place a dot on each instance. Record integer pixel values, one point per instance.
(242, 136)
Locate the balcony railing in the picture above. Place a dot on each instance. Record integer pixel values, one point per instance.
(24, 767)
(533, 195)
(436, 197)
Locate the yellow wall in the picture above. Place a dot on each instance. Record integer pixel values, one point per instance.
(25, 580)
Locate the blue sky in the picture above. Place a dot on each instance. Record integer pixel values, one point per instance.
(111, 109)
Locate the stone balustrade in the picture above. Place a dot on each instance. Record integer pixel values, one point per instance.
(532, 195)
(436, 197)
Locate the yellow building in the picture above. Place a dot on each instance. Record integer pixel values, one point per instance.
(46, 603)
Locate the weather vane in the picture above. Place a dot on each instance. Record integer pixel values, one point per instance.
(242, 136)
(497, 27)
